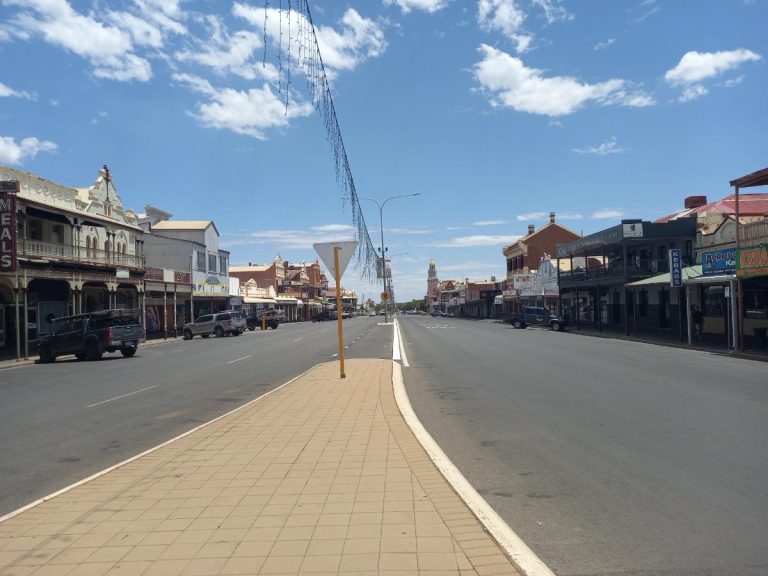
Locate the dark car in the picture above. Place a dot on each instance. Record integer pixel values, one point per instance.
(536, 316)
(89, 335)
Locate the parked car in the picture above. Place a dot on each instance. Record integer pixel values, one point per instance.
(535, 316)
(219, 324)
(269, 316)
(89, 335)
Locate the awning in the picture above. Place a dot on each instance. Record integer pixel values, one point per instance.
(253, 300)
(691, 275)
(282, 300)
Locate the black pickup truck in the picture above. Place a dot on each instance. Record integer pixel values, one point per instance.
(89, 335)
(533, 315)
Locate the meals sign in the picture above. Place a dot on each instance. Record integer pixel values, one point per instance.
(8, 191)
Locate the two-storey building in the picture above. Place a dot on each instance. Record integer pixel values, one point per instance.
(68, 250)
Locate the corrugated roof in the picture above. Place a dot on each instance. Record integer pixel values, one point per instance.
(182, 224)
(749, 205)
(689, 273)
(263, 268)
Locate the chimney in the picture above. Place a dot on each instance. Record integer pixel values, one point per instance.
(694, 201)
(531, 228)
(551, 217)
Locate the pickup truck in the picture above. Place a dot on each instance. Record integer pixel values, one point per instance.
(535, 316)
(270, 317)
(89, 335)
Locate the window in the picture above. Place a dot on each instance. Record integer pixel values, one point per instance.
(662, 253)
(211, 262)
(57, 234)
(222, 264)
(201, 261)
(35, 229)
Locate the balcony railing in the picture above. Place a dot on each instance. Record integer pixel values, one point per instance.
(78, 254)
(754, 233)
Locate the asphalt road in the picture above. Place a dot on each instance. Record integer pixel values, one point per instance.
(62, 422)
(605, 456)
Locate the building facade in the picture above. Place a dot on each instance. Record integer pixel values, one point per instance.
(67, 250)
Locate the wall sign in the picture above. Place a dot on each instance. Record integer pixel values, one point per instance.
(8, 261)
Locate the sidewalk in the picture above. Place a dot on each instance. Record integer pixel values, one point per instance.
(321, 476)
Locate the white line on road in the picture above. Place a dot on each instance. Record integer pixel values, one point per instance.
(398, 347)
(518, 551)
(238, 360)
(123, 396)
(298, 339)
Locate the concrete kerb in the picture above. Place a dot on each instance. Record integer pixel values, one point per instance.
(150, 451)
(524, 559)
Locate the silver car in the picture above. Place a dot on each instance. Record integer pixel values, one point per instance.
(219, 324)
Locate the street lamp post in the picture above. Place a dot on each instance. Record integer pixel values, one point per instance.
(383, 250)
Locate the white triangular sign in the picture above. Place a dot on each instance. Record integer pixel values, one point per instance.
(325, 251)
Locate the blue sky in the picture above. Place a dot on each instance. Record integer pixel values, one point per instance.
(495, 111)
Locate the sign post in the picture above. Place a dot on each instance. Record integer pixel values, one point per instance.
(8, 192)
(336, 256)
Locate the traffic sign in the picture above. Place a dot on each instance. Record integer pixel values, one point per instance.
(325, 251)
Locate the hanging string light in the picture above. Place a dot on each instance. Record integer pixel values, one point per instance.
(310, 62)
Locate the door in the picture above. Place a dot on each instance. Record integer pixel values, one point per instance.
(2, 326)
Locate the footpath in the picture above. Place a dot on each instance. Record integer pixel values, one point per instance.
(320, 476)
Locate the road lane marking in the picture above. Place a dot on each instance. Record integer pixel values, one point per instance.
(154, 449)
(518, 551)
(398, 346)
(298, 339)
(238, 360)
(123, 396)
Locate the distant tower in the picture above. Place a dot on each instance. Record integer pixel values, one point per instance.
(432, 282)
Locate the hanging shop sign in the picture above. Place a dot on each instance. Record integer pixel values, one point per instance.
(8, 191)
(675, 268)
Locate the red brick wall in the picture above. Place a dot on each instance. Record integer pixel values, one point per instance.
(545, 241)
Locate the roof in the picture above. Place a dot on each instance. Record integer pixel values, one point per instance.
(183, 225)
(689, 273)
(262, 268)
(749, 205)
(759, 178)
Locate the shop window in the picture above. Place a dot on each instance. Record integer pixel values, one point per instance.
(211, 262)
(222, 264)
(201, 261)
(714, 301)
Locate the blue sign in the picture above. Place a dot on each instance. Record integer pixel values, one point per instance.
(675, 268)
(718, 262)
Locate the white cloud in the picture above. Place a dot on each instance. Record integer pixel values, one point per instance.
(289, 239)
(470, 241)
(695, 67)
(531, 216)
(607, 213)
(604, 149)
(407, 230)
(553, 12)
(249, 112)
(424, 5)
(734, 81)
(605, 44)
(509, 83)
(333, 228)
(13, 153)
(8, 92)
(142, 32)
(507, 17)
(692, 92)
(357, 39)
(569, 216)
(488, 222)
(108, 48)
(229, 53)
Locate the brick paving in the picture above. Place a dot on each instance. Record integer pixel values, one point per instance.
(322, 476)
